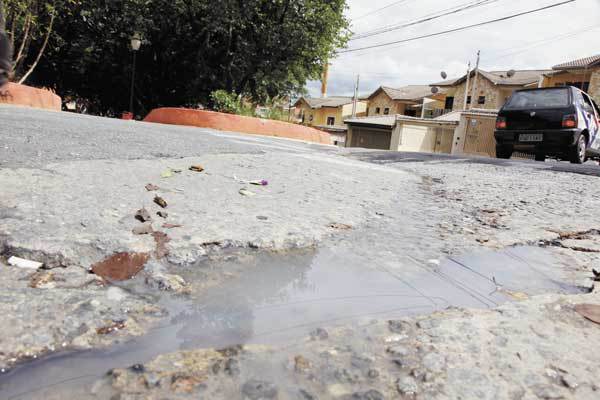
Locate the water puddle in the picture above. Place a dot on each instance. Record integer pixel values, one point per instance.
(279, 298)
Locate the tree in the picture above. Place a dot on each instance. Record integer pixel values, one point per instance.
(29, 24)
(260, 49)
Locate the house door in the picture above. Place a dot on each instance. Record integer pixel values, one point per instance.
(371, 138)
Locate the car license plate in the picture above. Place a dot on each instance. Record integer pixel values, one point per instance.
(531, 137)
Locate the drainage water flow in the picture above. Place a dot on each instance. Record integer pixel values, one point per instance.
(279, 298)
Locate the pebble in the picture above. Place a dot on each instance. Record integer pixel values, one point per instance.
(569, 381)
(259, 390)
(398, 351)
(398, 326)
(369, 395)
(407, 386)
(301, 364)
(434, 362)
(319, 334)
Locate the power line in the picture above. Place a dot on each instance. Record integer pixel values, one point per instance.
(425, 18)
(379, 9)
(462, 28)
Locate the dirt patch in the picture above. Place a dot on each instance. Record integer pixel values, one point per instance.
(121, 266)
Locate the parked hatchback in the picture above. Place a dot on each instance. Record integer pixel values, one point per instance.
(560, 122)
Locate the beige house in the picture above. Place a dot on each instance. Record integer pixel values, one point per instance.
(408, 100)
(492, 89)
(327, 111)
(583, 73)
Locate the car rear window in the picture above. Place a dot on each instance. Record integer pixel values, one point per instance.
(539, 99)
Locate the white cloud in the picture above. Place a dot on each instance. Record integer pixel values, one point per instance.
(537, 40)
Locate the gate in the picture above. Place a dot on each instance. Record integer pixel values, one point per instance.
(479, 138)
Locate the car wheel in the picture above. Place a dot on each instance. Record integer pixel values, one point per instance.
(503, 152)
(540, 157)
(579, 150)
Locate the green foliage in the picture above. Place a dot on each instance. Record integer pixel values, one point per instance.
(259, 49)
(226, 102)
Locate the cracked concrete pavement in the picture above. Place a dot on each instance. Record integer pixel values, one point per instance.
(71, 186)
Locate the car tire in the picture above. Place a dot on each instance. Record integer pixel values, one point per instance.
(504, 152)
(541, 157)
(578, 152)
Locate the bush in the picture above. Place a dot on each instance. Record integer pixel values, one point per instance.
(226, 102)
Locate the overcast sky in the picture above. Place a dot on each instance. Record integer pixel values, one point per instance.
(533, 41)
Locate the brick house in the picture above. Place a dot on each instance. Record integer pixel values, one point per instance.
(583, 73)
(407, 100)
(493, 88)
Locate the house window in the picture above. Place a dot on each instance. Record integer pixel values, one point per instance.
(386, 111)
(468, 99)
(377, 110)
(481, 100)
(449, 103)
(330, 121)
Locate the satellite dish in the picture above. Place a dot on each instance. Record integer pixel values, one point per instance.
(435, 89)
(444, 75)
(511, 73)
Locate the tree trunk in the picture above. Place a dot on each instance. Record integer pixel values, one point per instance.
(41, 52)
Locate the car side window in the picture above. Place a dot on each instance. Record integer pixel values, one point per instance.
(587, 103)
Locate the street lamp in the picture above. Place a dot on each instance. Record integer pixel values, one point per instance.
(136, 43)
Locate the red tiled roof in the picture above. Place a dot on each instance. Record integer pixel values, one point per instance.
(579, 64)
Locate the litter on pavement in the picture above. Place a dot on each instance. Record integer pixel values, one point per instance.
(151, 187)
(23, 263)
(167, 173)
(261, 182)
(160, 201)
(162, 214)
(121, 266)
(197, 168)
(171, 226)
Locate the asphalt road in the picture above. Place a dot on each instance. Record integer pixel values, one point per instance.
(33, 138)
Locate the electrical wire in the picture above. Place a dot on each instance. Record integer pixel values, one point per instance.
(424, 19)
(380, 9)
(462, 28)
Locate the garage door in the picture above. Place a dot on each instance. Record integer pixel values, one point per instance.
(369, 138)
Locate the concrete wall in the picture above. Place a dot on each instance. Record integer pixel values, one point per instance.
(22, 95)
(383, 101)
(236, 123)
(595, 85)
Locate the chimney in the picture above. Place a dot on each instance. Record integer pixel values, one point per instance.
(324, 79)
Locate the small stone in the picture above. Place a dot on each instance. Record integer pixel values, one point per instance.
(373, 374)
(259, 390)
(337, 390)
(369, 395)
(143, 215)
(569, 382)
(398, 351)
(398, 326)
(262, 218)
(301, 364)
(232, 367)
(428, 323)
(306, 395)
(151, 187)
(395, 338)
(162, 214)
(144, 229)
(407, 386)
(319, 334)
(197, 168)
(547, 392)
(139, 368)
(160, 201)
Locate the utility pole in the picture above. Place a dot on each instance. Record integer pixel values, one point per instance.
(467, 87)
(355, 100)
(474, 93)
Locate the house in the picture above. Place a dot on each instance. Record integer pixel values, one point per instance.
(401, 133)
(583, 73)
(408, 100)
(492, 88)
(327, 111)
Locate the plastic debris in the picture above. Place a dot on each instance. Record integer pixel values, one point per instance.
(160, 201)
(589, 311)
(151, 187)
(114, 327)
(144, 229)
(121, 266)
(143, 215)
(167, 174)
(247, 193)
(162, 214)
(23, 263)
(197, 168)
(261, 182)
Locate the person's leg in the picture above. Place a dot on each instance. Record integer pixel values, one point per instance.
(5, 50)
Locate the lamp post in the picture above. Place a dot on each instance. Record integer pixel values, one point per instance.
(136, 43)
